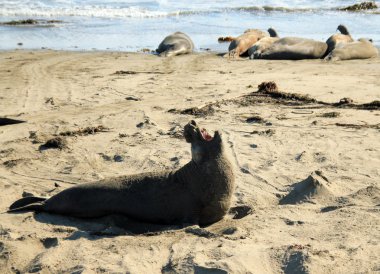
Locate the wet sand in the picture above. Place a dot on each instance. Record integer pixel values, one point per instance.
(307, 171)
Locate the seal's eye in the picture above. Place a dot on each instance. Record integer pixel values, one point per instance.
(205, 135)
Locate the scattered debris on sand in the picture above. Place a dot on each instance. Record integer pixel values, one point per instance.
(197, 111)
(268, 132)
(132, 98)
(239, 212)
(333, 114)
(12, 163)
(146, 50)
(226, 39)
(356, 126)
(255, 119)
(56, 142)
(85, 131)
(132, 72)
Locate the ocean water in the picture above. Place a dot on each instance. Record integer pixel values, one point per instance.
(134, 25)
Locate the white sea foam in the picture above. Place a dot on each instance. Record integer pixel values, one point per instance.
(148, 9)
(131, 25)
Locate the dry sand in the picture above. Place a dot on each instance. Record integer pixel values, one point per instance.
(309, 171)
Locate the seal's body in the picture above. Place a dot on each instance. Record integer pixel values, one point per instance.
(334, 40)
(294, 48)
(255, 51)
(198, 193)
(175, 44)
(242, 43)
(361, 49)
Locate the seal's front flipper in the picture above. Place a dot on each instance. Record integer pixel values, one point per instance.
(175, 50)
(38, 207)
(26, 201)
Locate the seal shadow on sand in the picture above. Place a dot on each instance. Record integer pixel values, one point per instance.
(119, 225)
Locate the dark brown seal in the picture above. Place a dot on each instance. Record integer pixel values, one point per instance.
(198, 193)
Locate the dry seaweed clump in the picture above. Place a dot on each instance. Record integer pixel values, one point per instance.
(361, 6)
(345, 101)
(349, 103)
(271, 89)
(374, 105)
(268, 87)
(84, 131)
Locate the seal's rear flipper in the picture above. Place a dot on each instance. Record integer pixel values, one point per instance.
(38, 207)
(25, 201)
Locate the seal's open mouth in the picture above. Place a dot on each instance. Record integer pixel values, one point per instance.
(192, 133)
(205, 135)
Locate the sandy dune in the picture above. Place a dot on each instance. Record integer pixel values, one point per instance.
(307, 197)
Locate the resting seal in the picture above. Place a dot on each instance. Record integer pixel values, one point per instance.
(294, 48)
(175, 44)
(198, 193)
(264, 43)
(343, 37)
(361, 49)
(242, 43)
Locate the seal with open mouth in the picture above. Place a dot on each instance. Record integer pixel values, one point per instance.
(197, 193)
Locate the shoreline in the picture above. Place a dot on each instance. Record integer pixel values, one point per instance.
(275, 145)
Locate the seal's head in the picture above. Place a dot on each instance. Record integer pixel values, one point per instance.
(203, 146)
(343, 30)
(272, 32)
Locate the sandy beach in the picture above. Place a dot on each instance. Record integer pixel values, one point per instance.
(307, 191)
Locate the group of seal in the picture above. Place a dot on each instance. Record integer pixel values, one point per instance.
(339, 46)
(259, 45)
(198, 193)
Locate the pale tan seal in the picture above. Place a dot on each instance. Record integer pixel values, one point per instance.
(242, 43)
(175, 44)
(294, 48)
(343, 37)
(361, 49)
(198, 193)
(255, 51)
